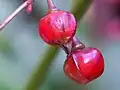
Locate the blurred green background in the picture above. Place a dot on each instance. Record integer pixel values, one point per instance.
(22, 51)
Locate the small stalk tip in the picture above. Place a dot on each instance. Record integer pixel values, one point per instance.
(51, 5)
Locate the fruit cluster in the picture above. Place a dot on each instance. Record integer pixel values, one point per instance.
(83, 64)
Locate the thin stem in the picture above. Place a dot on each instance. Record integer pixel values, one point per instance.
(16, 12)
(73, 45)
(77, 44)
(51, 5)
(67, 47)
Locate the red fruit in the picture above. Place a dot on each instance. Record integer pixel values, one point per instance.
(57, 27)
(84, 65)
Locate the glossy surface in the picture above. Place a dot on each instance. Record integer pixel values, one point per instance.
(57, 27)
(84, 65)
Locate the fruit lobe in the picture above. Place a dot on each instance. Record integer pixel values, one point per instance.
(57, 27)
(84, 65)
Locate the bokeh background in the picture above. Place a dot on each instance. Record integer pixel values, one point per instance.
(21, 48)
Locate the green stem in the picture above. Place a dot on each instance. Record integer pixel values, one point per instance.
(39, 74)
(80, 8)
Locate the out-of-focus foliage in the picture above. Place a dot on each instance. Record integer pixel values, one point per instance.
(4, 86)
(4, 44)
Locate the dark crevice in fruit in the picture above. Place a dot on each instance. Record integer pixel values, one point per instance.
(63, 27)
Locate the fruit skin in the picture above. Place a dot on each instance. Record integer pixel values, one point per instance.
(57, 27)
(84, 65)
